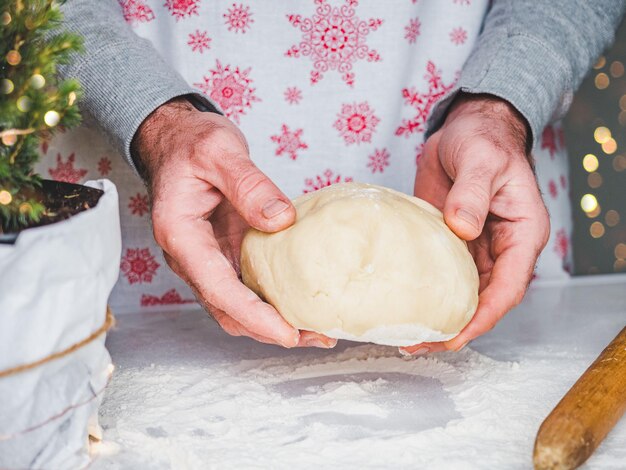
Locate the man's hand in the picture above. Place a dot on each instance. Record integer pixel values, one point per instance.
(476, 170)
(205, 193)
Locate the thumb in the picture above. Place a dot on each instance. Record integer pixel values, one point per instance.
(254, 196)
(468, 201)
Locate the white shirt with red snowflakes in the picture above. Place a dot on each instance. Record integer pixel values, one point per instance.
(324, 90)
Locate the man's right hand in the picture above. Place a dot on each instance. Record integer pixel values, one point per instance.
(205, 193)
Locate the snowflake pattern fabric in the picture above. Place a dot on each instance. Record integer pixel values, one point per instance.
(138, 265)
(423, 102)
(231, 88)
(238, 18)
(136, 11)
(65, 171)
(356, 123)
(334, 38)
(325, 91)
(199, 41)
(289, 142)
(181, 9)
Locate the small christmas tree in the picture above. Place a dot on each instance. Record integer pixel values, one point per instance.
(32, 101)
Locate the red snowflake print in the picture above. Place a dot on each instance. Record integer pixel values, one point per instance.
(423, 103)
(199, 41)
(238, 18)
(230, 87)
(136, 11)
(412, 30)
(379, 160)
(138, 204)
(171, 297)
(334, 38)
(356, 123)
(458, 36)
(549, 139)
(293, 95)
(65, 171)
(289, 142)
(561, 244)
(563, 181)
(104, 166)
(552, 189)
(419, 151)
(138, 265)
(323, 180)
(181, 9)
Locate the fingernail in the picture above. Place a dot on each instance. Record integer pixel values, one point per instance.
(273, 208)
(318, 343)
(467, 217)
(293, 343)
(420, 351)
(404, 352)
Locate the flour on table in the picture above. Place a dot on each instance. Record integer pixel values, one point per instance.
(364, 407)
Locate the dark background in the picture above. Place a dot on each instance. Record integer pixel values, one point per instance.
(596, 125)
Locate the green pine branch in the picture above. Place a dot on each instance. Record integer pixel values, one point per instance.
(33, 102)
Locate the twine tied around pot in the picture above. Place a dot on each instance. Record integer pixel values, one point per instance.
(109, 322)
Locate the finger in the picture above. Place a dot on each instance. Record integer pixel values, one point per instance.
(422, 349)
(254, 196)
(312, 339)
(468, 201)
(509, 280)
(193, 253)
(431, 181)
(234, 328)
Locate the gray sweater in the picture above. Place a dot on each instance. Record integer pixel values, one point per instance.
(534, 54)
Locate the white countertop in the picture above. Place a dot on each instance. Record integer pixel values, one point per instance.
(186, 395)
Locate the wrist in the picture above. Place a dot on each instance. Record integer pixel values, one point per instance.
(160, 122)
(499, 116)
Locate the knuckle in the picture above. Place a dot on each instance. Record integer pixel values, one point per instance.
(247, 181)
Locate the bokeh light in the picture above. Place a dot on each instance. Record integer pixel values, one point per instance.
(23, 103)
(611, 218)
(51, 118)
(602, 81)
(590, 162)
(609, 147)
(620, 251)
(602, 134)
(6, 86)
(37, 81)
(588, 203)
(594, 180)
(596, 229)
(5, 197)
(619, 163)
(600, 63)
(616, 69)
(13, 57)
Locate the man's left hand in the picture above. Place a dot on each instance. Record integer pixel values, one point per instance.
(477, 171)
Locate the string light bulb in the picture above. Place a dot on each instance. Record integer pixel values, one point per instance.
(5, 197)
(51, 118)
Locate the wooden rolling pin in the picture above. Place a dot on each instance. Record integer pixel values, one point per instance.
(586, 414)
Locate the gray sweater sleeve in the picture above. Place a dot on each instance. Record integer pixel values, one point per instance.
(534, 54)
(123, 77)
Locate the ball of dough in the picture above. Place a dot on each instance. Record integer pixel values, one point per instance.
(365, 263)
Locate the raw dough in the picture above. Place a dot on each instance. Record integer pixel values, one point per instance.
(365, 263)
